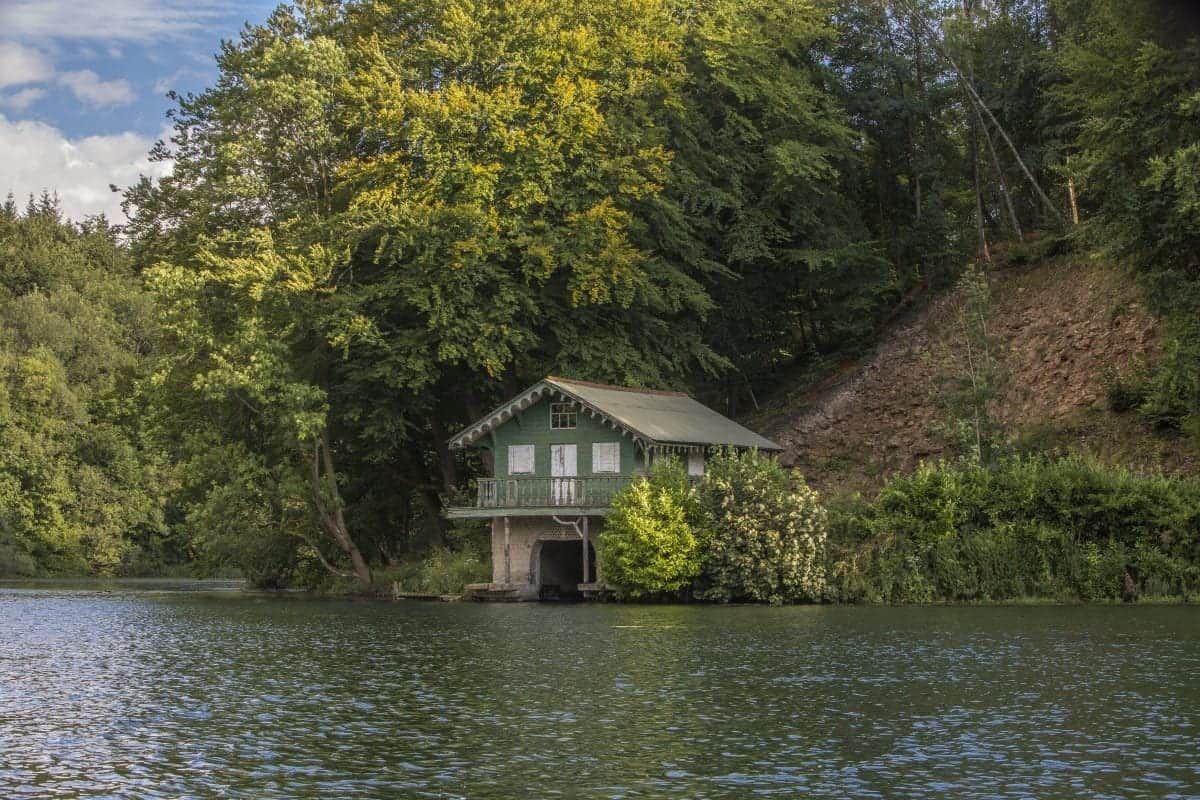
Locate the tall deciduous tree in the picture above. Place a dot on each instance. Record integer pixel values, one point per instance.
(247, 266)
(381, 208)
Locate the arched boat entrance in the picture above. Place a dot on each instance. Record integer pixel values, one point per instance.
(558, 566)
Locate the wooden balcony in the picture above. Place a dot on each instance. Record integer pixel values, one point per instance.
(497, 496)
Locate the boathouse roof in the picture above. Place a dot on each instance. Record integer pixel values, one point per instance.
(653, 416)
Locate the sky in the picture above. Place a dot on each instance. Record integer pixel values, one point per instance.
(83, 88)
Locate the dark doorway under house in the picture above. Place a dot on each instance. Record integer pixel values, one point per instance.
(560, 569)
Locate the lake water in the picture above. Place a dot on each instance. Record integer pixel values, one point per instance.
(148, 692)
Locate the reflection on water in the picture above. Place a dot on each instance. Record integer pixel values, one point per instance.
(149, 693)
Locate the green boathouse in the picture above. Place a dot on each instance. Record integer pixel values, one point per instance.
(559, 451)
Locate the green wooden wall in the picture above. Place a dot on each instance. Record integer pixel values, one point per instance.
(532, 426)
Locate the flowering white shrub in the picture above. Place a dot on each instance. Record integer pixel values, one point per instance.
(766, 532)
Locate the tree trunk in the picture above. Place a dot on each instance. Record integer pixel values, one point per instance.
(919, 74)
(445, 458)
(426, 488)
(1074, 200)
(983, 242)
(941, 51)
(1012, 211)
(328, 502)
(973, 148)
(970, 79)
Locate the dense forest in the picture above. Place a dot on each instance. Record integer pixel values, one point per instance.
(387, 215)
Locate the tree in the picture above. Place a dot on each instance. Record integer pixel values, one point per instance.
(385, 214)
(764, 165)
(1132, 85)
(248, 275)
(81, 484)
(972, 375)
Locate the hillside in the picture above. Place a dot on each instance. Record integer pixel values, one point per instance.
(1065, 329)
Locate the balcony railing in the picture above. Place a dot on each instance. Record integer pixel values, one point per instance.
(594, 492)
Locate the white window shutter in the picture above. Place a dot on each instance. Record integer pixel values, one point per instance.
(606, 457)
(696, 463)
(520, 459)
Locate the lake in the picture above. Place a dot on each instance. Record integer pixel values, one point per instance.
(162, 691)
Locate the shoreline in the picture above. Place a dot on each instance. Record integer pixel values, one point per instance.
(238, 586)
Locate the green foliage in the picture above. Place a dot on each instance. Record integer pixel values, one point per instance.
(650, 544)
(81, 488)
(443, 571)
(1132, 83)
(1033, 527)
(238, 517)
(1172, 393)
(385, 215)
(388, 206)
(764, 535)
(762, 153)
(750, 530)
(1125, 393)
(972, 372)
(446, 569)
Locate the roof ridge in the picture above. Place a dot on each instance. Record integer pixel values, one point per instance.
(616, 388)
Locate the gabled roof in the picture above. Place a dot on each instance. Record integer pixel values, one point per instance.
(654, 417)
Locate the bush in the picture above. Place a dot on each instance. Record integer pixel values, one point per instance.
(766, 530)
(1171, 398)
(1026, 527)
(649, 545)
(444, 570)
(1125, 394)
(461, 556)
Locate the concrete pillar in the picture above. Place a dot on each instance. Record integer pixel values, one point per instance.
(586, 577)
(507, 559)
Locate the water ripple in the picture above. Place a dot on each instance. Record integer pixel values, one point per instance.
(136, 694)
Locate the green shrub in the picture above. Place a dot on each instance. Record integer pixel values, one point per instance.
(1171, 398)
(1067, 528)
(14, 561)
(444, 570)
(650, 545)
(766, 531)
(1125, 394)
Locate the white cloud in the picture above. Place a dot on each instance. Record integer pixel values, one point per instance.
(88, 88)
(172, 81)
(35, 156)
(111, 21)
(23, 99)
(20, 64)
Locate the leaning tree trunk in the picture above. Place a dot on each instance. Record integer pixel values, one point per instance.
(328, 502)
(941, 51)
(1004, 193)
(974, 143)
(979, 222)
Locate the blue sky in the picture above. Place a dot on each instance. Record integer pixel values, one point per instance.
(83, 84)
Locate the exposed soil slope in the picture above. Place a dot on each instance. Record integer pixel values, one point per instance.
(1065, 329)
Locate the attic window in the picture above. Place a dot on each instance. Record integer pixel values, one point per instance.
(562, 416)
